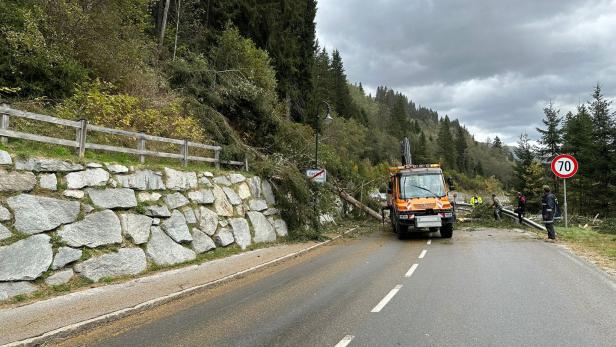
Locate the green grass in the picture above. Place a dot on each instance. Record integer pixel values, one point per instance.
(590, 240)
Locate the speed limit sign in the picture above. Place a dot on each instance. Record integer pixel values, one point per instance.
(564, 166)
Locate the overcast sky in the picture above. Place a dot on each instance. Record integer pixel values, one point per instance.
(493, 64)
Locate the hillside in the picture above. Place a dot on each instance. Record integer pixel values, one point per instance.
(247, 76)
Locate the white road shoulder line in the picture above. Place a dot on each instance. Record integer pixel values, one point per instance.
(386, 299)
(423, 254)
(345, 341)
(429, 242)
(411, 270)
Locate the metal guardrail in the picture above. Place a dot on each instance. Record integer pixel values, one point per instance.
(510, 214)
(81, 131)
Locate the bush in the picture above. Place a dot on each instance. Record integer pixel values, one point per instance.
(96, 103)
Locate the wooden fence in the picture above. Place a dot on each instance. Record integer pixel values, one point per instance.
(82, 128)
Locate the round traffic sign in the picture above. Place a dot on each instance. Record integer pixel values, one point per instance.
(564, 166)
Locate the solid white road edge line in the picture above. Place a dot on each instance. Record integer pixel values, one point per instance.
(386, 299)
(423, 254)
(345, 341)
(411, 270)
(72, 329)
(429, 241)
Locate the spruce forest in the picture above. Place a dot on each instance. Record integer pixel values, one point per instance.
(250, 76)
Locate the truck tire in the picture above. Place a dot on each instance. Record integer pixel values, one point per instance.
(400, 230)
(447, 231)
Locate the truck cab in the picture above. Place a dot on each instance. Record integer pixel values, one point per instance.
(417, 197)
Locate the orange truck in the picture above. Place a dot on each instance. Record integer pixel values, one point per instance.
(417, 198)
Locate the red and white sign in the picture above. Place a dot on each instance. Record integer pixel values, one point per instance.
(564, 166)
(317, 175)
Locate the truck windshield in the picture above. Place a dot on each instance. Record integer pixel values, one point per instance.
(409, 186)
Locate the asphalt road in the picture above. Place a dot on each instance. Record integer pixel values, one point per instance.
(490, 287)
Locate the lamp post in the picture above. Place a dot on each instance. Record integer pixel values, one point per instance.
(317, 128)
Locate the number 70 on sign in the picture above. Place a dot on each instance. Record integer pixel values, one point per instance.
(564, 166)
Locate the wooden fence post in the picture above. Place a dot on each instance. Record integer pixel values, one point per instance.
(4, 124)
(185, 153)
(217, 157)
(246, 163)
(81, 137)
(141, 147)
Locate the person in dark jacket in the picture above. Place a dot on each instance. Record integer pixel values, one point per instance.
(548, 208)
(521, 207)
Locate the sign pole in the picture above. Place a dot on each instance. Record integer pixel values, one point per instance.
(565, 191)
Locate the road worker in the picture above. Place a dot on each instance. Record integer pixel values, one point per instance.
(548, 209)
(476, 200)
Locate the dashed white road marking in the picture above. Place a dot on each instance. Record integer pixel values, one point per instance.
(423, 254)
(386, 299)
(429, 241)
(411, 270)
(345, 341)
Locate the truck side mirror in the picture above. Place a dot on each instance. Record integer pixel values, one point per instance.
(389, 188)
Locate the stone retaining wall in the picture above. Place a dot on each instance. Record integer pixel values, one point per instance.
(54, 212)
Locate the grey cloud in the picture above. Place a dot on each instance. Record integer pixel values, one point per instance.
(492, 64)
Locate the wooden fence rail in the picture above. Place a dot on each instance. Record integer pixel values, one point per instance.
(82, 128)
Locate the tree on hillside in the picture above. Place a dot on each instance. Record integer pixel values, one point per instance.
(340, 90)
(497, 143)
(284, 28)
(446, 148)
(399, 123)
(461, 145)
(603, 136)
(528, 173)
(420, 150)
(551, 136)
(577, 141)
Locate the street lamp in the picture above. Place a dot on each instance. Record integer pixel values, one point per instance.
(317, 128)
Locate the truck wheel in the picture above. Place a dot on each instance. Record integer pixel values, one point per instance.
(401, 230)
(447, 231)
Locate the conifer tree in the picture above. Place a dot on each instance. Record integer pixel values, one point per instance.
(577, 141)
(399, 123)
(551, 136)
(340, 91)
(461, 146)
(446, 148)
(497, 143)
(603, 136)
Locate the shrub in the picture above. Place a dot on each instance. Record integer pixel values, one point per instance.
(96, 103)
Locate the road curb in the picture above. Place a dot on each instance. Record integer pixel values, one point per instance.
(115, 315)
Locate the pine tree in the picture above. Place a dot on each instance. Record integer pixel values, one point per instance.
(497, 143)
(551, 137)
(446, 148)
(577, 141)
(525, 157)
(534, 178)
(478, 170)
(461, 145)
(420, 149)
(399, 123)
(341, 96)
(603, 136)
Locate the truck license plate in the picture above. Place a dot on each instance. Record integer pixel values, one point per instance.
(427, 221)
